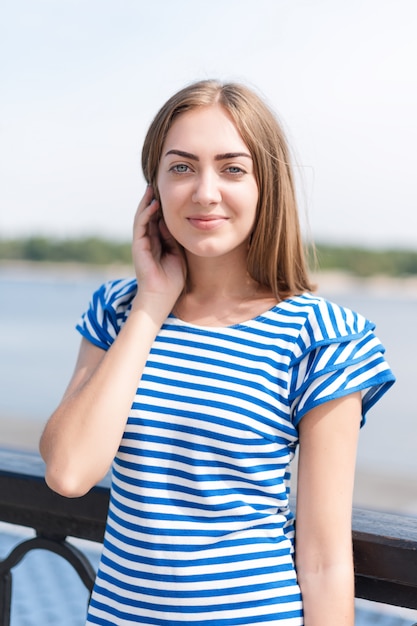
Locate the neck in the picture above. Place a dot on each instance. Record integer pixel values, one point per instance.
(219, 278)
(221, 293)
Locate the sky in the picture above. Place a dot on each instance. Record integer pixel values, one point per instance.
(82, 79)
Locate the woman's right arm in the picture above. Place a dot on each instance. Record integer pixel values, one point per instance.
(82, 436)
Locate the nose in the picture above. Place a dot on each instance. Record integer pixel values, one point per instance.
(207, 190)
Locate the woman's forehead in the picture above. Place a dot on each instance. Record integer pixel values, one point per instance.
(205, 128)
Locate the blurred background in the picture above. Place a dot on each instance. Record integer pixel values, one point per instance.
(81, 82)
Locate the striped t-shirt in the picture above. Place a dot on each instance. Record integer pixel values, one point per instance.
(199, 528)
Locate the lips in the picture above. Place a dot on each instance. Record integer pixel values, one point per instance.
(207, 222)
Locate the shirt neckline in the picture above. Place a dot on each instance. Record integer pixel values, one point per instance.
(245, 323)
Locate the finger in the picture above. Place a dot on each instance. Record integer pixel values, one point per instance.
(146, 200)
(147, 196)
(144, 215)
(154, 235)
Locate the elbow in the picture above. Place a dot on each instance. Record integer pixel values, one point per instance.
(334, 577)
(67, 481)
(65, 475)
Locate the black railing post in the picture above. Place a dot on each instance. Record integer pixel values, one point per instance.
(385, 545)
(26, 500)
(5, 598)
(56, 544)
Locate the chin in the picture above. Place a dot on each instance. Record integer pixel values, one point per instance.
(215, 252)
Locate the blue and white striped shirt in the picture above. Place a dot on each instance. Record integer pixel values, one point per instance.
(199, 529)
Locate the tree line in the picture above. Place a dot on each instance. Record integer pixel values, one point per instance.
(358, 261)
(90, 250)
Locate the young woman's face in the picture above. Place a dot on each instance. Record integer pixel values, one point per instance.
(207, 185)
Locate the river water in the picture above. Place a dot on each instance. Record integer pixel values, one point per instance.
(39, 307)
(38, 345)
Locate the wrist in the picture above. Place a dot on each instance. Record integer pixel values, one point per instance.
(155, 305)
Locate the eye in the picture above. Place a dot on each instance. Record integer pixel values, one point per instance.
(235, 170)
(180, 168)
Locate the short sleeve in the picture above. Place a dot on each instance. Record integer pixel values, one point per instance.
(109, 307)
(337, 353)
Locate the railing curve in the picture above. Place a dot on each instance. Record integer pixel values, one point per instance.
(385, 545)
(54, 543)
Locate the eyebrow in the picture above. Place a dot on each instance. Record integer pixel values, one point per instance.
(218, 157)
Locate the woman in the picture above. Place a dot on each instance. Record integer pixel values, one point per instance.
(200, 377)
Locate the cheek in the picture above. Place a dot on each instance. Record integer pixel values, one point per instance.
(167, 207)
(164, 195)
(170, 198)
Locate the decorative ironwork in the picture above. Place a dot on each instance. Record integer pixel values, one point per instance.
(54, 543)
(385, 545)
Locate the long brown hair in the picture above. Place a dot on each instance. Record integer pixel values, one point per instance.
(276, 257)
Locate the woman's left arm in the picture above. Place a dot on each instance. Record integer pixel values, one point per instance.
(324, 558)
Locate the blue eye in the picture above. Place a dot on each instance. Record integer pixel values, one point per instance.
(234, 169)
(181, 168)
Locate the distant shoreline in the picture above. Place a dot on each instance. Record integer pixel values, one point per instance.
(334, 281)
(21, 269)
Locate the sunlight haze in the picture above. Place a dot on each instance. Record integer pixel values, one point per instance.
(81, 82)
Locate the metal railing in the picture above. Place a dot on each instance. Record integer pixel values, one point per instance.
(385, 545)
